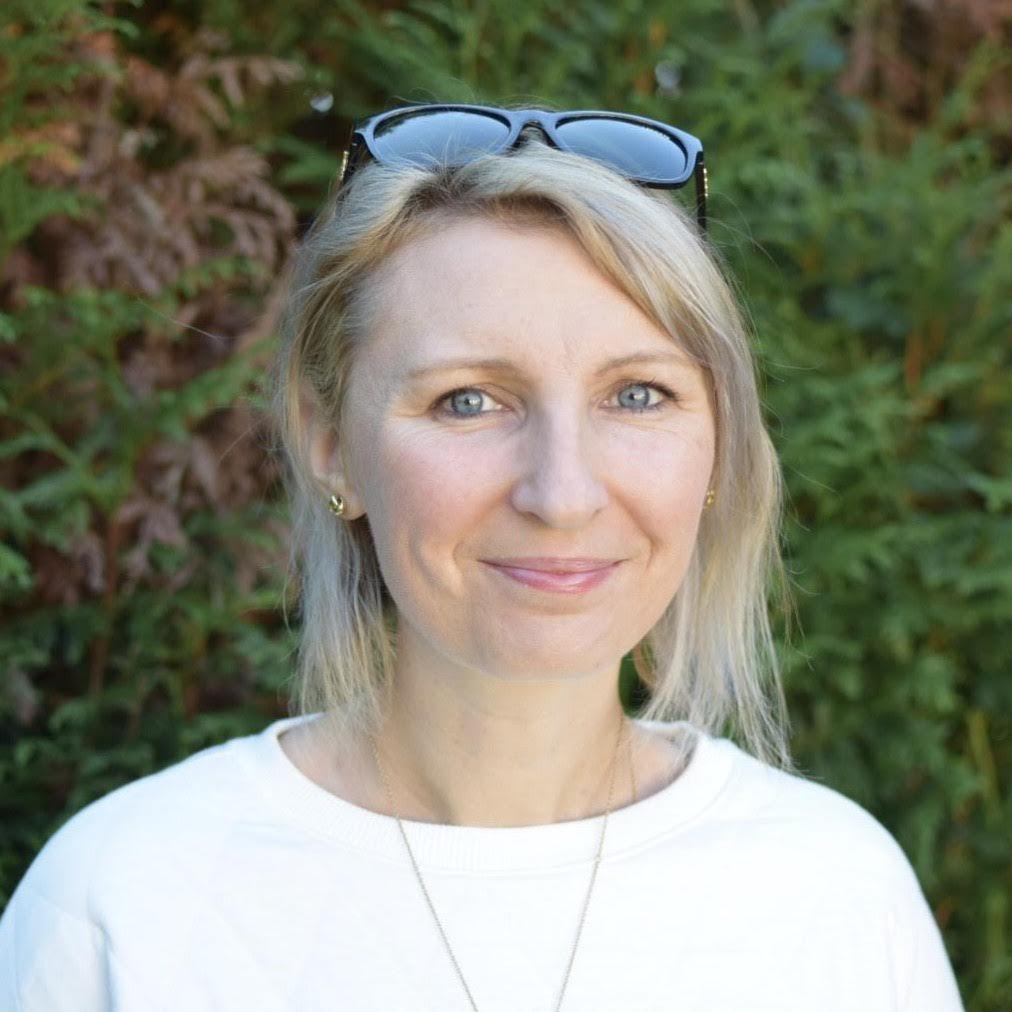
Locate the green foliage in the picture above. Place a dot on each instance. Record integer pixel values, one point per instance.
(867, 234)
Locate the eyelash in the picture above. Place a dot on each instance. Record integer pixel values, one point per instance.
(669, 396)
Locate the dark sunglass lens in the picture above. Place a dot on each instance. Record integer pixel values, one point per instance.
(633, 149)
(438, 137)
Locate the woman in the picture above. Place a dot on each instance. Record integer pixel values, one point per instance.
(523, 438)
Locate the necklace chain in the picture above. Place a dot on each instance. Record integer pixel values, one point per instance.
(593, 876)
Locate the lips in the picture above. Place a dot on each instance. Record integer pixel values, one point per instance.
(553, 564)
(560, 576)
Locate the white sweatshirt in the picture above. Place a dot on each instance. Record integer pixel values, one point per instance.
(231, 881)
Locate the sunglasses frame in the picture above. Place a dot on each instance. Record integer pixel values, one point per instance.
(363, 141)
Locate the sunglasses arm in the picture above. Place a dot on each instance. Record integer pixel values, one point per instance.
(355, 154)
(702, 191)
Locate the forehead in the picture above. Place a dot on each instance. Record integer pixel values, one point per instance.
(478, 285)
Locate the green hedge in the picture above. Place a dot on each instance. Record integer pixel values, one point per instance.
(155, 169)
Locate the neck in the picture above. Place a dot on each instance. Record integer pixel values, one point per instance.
(491, 777)
(465, 747)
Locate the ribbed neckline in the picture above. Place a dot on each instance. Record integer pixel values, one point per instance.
(482, 848)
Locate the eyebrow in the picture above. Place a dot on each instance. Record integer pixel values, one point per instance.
(505, 365)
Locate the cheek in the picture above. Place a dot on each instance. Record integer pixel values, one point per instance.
(424, 498)
(666, 471)
(661, 481)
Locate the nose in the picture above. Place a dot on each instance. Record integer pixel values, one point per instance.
(561, 482)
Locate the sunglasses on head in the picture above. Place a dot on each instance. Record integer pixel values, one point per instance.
(645, 151)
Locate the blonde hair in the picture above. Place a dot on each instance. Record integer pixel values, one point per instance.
(711, 658)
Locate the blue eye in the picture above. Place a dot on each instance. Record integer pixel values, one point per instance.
(465, 402)
(640, 400)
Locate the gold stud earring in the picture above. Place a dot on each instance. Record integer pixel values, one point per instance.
(711, 497)
(336, 505)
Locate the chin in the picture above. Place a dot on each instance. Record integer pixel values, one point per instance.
(549, 658)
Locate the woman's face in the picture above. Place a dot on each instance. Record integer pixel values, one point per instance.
(511, 403)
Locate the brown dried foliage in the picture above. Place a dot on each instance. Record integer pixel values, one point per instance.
(906, 56)
(154, 223)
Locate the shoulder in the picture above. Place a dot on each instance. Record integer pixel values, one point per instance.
(809, 828)
(810, 863)
(78, 930)
(153, 827)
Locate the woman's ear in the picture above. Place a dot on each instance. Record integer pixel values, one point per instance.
(324, 456)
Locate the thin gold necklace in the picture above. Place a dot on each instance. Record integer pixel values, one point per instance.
(593, 876)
